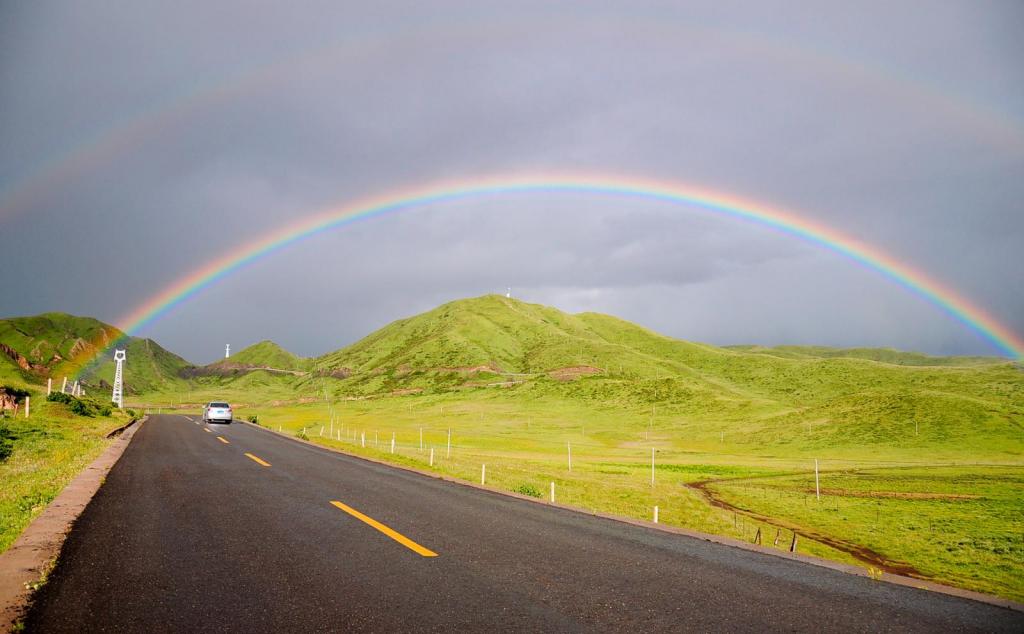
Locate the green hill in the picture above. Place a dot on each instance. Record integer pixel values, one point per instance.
(855, 398)
(263, 355)
(882, 355)
(56, 345)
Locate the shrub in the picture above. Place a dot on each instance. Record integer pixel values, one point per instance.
(528, 489)
(254, 419)
(60, 397)
(301, 434)
(80, 408)
(6, 442)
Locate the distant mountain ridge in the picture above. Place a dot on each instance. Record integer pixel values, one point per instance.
(264, 355)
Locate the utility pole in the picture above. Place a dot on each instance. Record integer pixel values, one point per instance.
(118, 395)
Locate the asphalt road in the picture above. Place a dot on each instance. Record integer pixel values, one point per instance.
(189, 533)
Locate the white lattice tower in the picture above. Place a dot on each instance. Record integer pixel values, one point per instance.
(227, 350)
(118, 395)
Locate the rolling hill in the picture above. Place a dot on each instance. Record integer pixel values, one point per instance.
(265, 355)
(55, 345)
(856, 398)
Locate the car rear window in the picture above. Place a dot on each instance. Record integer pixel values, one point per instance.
(219, 405)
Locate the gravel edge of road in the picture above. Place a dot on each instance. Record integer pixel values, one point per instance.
(900, 580)
(33, 554)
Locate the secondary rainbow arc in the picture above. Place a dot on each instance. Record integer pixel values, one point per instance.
(953, 303)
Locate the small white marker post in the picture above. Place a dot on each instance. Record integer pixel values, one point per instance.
(64, 386)
(421, 439)
(431, 456)
(652, 466)
(28, 404)
(552, 492)
(362, 439)
(321, 431)
(483, 474)
(568, 446)
(392, 442)
(817, 487)
(49, 386)
(655, 513)
(376, 441)
(448, 452)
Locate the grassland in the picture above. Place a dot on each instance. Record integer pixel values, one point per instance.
(48, 449)
(920, 456)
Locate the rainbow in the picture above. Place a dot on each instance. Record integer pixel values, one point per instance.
(945, 298)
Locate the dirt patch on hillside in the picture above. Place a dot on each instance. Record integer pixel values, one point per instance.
(474, 369)
(407, 391)
(572, 373)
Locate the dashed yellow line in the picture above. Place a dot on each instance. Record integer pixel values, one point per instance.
(258, 461)
(223, 440)
(207, 430)
(393, 534)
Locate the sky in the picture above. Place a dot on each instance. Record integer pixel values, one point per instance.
(139, 141)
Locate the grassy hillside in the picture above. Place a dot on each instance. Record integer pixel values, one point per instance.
(57, 345)
(265, 354)
(882, 355)
(849, 401)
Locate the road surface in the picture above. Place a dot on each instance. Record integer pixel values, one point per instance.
(234, 528)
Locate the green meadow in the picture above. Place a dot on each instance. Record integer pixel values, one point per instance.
(921, 458)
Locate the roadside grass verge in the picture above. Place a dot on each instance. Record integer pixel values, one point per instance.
(48, 450)
(961, 525)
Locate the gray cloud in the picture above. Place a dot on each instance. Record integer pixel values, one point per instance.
(902, 126)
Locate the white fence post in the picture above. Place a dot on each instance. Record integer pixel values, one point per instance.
(655, 513)
(64, 386)
(483, 474)
(362, 439)
(448, 453)
(28, 403)
(392, 442)
(421, 439)
(652, 466)
(552, 492)
(49, 386)
(817, 486)
(431, 456)
(568, 447)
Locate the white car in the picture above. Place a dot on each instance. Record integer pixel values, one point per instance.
(217, 411)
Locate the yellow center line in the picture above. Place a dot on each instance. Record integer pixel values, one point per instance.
(257, 460)
(395, 535)
(207, 430)
(223, 440)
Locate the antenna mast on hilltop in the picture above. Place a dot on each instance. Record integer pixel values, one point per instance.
(227, 350)
(118, 395)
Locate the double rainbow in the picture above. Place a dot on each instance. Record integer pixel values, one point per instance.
(945, 298)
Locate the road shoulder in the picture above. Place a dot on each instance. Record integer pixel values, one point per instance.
(27, 562)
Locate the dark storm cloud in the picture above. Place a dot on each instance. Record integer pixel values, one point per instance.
(899, 125)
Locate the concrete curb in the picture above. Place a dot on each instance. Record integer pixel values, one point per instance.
(858, 571)
(32, 555)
